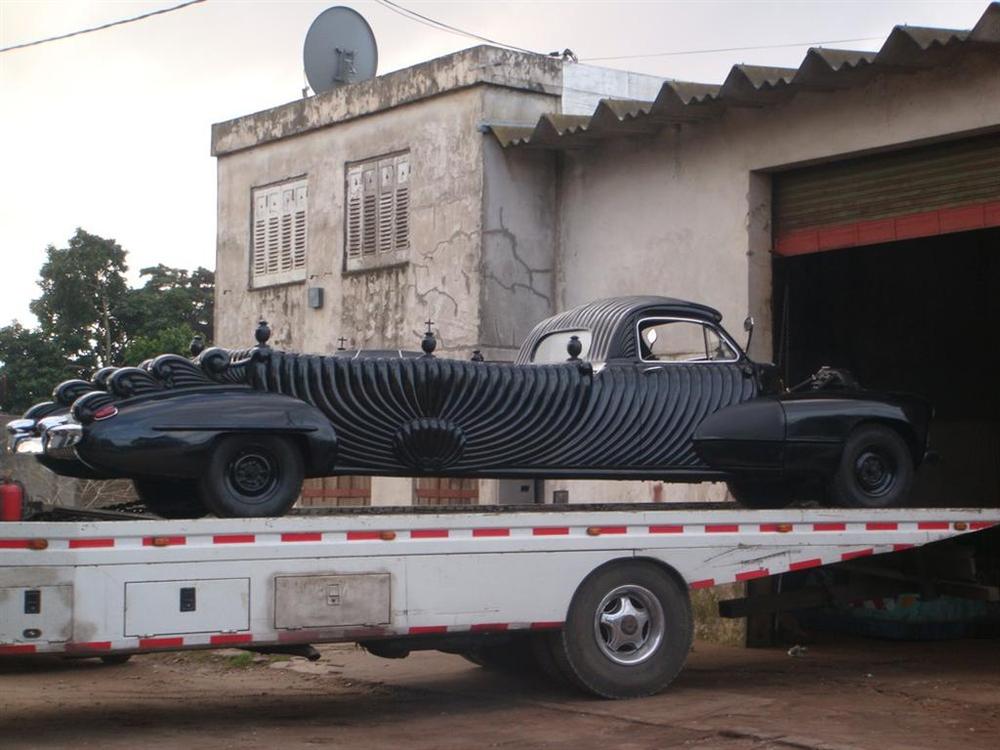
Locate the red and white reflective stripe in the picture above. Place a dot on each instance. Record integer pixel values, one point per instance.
(234, 539)
(490, 532)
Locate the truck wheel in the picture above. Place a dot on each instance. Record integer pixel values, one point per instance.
(171, 498)
(875, 470)
(251, 476)
(627, 633)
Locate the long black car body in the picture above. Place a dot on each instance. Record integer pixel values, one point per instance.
(638, 387)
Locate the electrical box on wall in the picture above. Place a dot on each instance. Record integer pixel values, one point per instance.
(315, 297)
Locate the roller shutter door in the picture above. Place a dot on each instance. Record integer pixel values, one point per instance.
(919, 192)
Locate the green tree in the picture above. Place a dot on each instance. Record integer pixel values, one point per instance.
(169, 297)
(173, 340)
(30, 366)
(83, 292)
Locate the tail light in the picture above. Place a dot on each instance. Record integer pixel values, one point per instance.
(105, 412)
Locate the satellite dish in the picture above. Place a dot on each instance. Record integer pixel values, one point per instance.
(339, 49)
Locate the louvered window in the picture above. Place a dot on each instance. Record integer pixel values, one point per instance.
(377, 226)
(279, 242)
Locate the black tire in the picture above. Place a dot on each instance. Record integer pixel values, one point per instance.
(643, 648)
(542, 645)
(252, 476)
(760, 494)
(875, 470)
(113, 660)
(171, 498)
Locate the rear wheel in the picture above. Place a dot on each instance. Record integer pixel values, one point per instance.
(252, 476)
(171, 498)
(875, 470)
(627, 633)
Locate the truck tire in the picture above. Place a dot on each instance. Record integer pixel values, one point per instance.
(252, 476)
(171, 498)
(628, 631)
(875, 470)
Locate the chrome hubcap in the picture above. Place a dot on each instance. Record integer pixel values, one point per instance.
(629, 624)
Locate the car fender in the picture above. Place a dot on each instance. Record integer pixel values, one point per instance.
(171, 434)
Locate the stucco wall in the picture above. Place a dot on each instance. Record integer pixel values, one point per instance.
(374, 308)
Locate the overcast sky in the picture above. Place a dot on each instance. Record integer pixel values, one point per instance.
(110, 131)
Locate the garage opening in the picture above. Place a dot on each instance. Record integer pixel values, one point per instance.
(921, 316)
(889, 265)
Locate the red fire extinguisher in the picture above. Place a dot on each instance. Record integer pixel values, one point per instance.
(11, 500)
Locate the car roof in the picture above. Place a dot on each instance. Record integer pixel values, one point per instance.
(611, 322)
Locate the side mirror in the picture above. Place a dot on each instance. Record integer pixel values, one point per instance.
(748, 324)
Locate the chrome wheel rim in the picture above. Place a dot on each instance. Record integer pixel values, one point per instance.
(629, 625)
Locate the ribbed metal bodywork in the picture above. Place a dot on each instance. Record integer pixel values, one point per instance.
(429, 415)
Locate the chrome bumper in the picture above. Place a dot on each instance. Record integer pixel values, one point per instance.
(60, 441)
(53, 436)
(22, 438)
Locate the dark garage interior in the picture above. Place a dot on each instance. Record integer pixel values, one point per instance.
(920, 316)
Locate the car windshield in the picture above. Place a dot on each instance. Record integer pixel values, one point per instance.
(552, 347)
(683, 341)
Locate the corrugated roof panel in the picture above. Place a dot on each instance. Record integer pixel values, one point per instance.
(756, 86)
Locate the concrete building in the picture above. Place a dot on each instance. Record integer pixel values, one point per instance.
(852, 205)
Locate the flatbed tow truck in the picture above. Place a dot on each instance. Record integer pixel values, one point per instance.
(596, 593)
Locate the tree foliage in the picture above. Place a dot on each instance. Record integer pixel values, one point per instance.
(30, 365)
(83, 290)
(88, 317)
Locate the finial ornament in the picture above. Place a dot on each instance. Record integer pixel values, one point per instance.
(477, 356)
(429, 343)
(573, 348)
(197, 345)
(263, 332)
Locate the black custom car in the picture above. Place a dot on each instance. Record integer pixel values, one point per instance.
(625, 388)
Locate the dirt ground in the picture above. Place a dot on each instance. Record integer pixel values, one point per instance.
(858, 694)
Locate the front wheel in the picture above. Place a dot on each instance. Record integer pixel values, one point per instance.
(250, 476)
(627, 633)
(875, 470)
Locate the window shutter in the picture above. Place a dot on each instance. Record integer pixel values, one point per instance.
(259, 264)
(402, 201)
(280, 217)
(299, 229)
(354, 196)
(273, 230)
(386, 194)
(377, 221)
(370, 212)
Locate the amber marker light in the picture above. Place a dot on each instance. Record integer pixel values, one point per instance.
(784, 528)
(387, 536)
(160, 541)
(38, 544)
(961, 525)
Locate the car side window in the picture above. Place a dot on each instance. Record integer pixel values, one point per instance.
(679, 340)
(552, 347)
